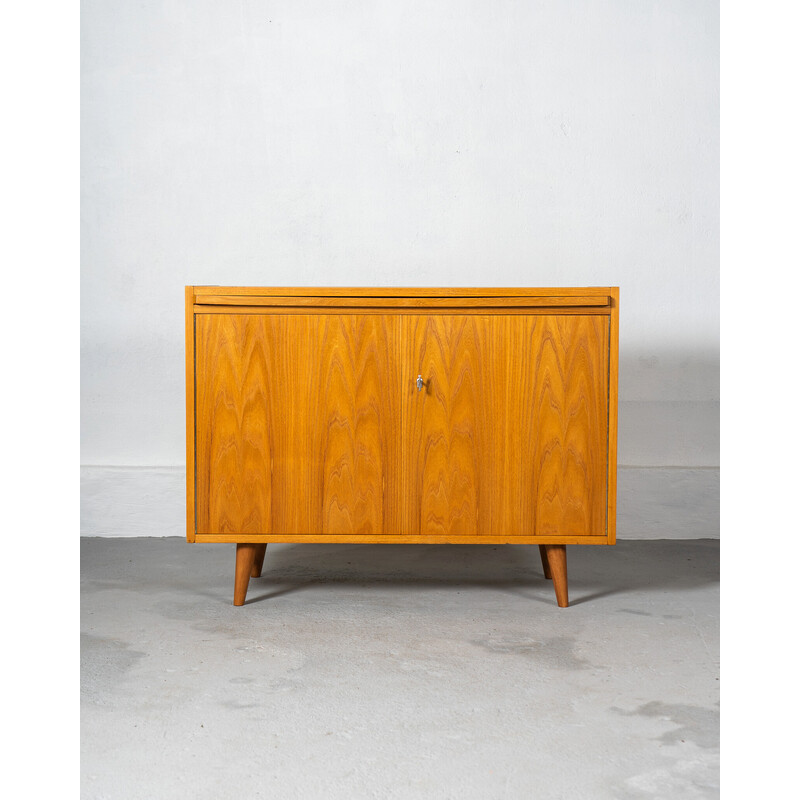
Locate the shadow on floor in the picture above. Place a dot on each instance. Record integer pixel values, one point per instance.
(594, 571)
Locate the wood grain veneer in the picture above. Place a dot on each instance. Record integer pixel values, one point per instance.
(304, 422)
(509, 434)
(297, 424)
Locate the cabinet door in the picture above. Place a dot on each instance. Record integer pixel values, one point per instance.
(297, 424)
(509, 434)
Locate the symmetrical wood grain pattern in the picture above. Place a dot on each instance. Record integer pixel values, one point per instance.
(509, 435)
(297, 423)
(304, 423)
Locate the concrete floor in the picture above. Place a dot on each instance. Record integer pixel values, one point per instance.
(395, 671)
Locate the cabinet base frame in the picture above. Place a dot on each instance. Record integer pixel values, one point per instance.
(316, 538)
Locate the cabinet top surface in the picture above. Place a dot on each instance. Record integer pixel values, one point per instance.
(431, 291)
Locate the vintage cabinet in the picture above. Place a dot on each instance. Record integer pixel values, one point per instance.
(401, 415)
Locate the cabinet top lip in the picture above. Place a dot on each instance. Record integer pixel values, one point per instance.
(428, 291)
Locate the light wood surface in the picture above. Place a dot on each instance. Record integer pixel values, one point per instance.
(381, 309)
(190, 429)
(304, 423)
(509, 435)
(613, 406)
(347, 538)
(400, 302)
(297, 424)
(417, 291)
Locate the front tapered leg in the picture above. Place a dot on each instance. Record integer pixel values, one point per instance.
(557, 561)
(245, 557)
(258, 561)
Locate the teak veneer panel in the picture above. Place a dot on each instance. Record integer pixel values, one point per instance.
(509, 434)
(297, 424)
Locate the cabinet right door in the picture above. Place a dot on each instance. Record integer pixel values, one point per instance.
(508, 435)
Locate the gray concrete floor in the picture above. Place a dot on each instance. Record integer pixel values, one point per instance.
(395, 671)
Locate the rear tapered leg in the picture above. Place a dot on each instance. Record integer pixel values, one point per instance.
(258, 561)
(545, 565)
(557, 561)
(245, 557)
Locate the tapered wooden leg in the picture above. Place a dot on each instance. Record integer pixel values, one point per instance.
(557, 560)
(258, 562)
(545, 565)
(245, 556)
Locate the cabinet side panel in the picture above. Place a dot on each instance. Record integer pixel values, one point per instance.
(297, 424)
(190, 400)
(613, 400)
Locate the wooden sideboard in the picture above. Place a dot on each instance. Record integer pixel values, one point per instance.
(470, 416)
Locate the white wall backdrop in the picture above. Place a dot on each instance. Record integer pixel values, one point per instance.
(397, 144)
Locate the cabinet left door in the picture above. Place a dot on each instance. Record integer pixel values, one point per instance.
(297, 424)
